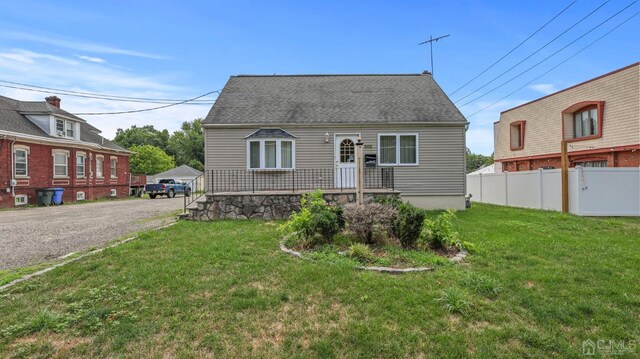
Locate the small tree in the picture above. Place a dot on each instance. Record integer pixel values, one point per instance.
(147, 159)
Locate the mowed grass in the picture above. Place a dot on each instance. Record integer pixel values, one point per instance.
(539, 284)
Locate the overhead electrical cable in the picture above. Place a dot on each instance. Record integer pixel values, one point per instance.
(514, 49)
(556, 66)
(145, 109)
(535, 52)
(550, 56)
(89, 94)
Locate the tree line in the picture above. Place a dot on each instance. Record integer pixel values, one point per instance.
(155, 150)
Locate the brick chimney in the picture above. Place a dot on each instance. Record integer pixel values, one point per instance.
(426, 72)
(53, 101)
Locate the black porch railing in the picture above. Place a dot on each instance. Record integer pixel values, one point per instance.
(196, 189)
(308, 179)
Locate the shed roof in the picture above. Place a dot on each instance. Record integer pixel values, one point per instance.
(180, 171)
(331, 99)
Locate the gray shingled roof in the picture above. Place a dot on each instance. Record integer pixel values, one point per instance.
(13, 120)
(307, 99)
(271, 133)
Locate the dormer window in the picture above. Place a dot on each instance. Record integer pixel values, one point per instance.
(65, 128)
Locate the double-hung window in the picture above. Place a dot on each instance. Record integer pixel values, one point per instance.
(65, 128)
(60, 164)
(99, 166)
(270, 154)
(20, 162)
(113, 167)
(80, 165)
(398, 149)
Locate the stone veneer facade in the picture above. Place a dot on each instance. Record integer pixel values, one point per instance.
(267, 206)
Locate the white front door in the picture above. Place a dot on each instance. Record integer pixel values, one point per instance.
(345, 161)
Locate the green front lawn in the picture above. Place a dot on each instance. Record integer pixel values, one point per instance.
(539, 285)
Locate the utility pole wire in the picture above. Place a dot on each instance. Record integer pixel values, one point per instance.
(209, 102)
(96, 95)
(556, 66)
(145, 109)
(430, 42)
(553, 54)
(538, 50)
(514, 49)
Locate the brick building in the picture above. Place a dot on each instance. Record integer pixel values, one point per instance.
(43, 146)
(599, 119)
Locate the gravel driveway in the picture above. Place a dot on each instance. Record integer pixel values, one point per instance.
(32, 235)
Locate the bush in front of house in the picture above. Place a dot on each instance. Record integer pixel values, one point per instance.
(360, 252)
(408, 226)
(316, 222)
(368, 221)
(439, 233)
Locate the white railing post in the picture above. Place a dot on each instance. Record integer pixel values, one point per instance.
(541, 188)
(506, 188)
(578, 181)
(480, 194)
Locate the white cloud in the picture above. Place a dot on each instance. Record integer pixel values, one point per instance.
(545, 89)
(57, 72)
(91, 59)
(79, 45)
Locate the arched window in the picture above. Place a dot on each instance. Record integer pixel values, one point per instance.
(347, 151)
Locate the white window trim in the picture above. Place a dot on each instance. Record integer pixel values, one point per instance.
(100, 175)
(278, 154)
(17, 200)
(28, 151)
(81, 154)
(111, 159)
(66, 165)
(397, 164)
(67, 125)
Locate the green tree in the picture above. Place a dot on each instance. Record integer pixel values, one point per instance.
(147, 159)
(476, 160)
(187, 144)
(145, 135)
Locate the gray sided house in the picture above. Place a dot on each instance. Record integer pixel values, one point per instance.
(299, 131)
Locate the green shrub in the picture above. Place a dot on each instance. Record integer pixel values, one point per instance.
(408, 225)
(455, 300)
(364, 220)
(361, 252)
(394, 202)
(439, 232)
(315, 219)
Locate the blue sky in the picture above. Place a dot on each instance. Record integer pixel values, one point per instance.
(179, 50)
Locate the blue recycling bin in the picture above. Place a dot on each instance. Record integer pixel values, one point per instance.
(56, 198)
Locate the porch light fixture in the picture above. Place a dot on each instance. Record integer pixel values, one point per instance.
(326, 137)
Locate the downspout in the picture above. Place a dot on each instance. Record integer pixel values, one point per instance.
(11, 154)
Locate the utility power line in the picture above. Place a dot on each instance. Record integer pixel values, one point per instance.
(145, 109)
(85, 94)
(514, 49)
(535, 52)
(550, 56)
(556, 66)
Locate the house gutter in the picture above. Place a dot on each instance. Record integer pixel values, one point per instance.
(72, 143)
(10, 169)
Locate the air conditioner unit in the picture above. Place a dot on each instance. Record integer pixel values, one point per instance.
(60, 133)
(113, 192)
(80, 196)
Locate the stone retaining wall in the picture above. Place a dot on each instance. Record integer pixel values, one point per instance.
(267, 206)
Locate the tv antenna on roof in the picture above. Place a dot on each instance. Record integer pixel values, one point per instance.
(430, 42)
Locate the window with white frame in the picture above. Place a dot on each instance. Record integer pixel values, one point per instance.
(21, 200)
(270, 153)
(60, 164)
(398, 149)
(585, 122)
(80, 165)
(114, 166)
(99, 166)
(65, 128)
(21, 162)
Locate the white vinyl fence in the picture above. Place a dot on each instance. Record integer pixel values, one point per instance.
(592, 191)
